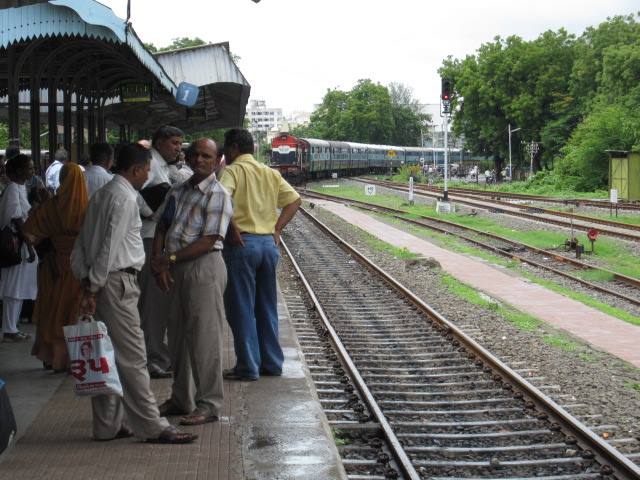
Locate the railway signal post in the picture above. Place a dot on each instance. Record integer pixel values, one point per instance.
(445, 97)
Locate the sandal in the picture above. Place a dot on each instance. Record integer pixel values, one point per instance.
(173, 436)
(15, 337)
(196, 419)
(124, 432)
(168, 409)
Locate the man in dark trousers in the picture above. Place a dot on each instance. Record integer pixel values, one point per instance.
(252, 255)
(187, 262)
(106, 258)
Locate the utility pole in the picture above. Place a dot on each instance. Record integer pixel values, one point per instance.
(532, 149)
(510, 167)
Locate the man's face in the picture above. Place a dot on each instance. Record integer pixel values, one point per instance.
(205, 158)
(169, 148)
(140, 175)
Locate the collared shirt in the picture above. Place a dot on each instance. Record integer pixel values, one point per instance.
(159, 172)
(52, 175)
(96, 177)
(195, 211)
(257, 191)
(109, 239)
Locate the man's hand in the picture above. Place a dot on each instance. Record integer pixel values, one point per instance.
(32, 254)
(159, 264)
(276, 237)
(88, 303)
(234, 238)
(165, 281)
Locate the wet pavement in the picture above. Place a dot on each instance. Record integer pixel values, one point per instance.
(273, 428)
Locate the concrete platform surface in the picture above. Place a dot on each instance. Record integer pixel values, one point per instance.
(595, 327)
(273, 428)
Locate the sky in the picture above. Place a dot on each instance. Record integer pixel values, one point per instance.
(292, 51)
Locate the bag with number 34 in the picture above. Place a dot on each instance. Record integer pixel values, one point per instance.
(92, 359)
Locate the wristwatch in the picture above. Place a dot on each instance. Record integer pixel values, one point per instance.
(173, 258)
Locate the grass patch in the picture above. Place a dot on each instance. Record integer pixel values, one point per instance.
(611, 253)
(562, 342)
(594, 275)
(633, 386)
(338, 438)
(471, 295)
(396, 252)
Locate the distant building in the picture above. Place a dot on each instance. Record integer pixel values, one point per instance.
(262, 118)
(433, 136)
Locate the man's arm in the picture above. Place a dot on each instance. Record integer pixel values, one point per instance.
(287, 213)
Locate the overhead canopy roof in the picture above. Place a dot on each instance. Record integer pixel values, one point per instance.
(81, 46)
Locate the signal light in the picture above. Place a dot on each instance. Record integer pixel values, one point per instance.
(445, 94)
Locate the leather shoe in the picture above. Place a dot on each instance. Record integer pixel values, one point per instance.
(231, 374)
(268, 373)
(168, 409)
(157, 372)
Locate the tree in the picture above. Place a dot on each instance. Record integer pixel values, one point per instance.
(408, 120)
(183, 42)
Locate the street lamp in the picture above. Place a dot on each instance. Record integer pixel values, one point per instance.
(510, 169)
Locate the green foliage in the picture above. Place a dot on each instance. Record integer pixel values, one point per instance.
(182, 42)
(407, 171)
(577, 96)
(368, 113)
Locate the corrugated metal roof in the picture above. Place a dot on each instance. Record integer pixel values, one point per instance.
(86, 18)
(202, 65)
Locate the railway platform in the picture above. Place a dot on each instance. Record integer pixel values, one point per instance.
(273, 428)
(597, 328)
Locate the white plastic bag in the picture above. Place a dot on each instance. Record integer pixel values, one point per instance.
(92, 358)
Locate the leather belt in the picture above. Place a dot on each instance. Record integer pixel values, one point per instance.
(129, 270)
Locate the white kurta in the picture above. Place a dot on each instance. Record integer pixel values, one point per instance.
(19, 281)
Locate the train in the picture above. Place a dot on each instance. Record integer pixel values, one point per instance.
(309, 158)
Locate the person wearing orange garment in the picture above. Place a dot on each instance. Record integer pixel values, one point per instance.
(58, 219)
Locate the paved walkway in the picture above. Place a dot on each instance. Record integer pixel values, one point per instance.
(599, 329)
(273, 428)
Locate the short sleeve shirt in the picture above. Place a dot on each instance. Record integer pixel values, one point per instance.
(257, 191)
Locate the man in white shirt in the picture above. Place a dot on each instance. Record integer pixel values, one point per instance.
(106, 258)
(52, 175)
(98, 173)
(166, 147)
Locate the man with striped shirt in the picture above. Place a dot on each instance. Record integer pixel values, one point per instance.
(187, 262)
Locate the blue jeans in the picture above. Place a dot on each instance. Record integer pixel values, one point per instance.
(251, 305)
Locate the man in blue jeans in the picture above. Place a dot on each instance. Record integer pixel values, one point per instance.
(251, 255)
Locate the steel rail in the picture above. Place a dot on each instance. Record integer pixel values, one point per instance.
(529, 216)
(612, 461)
(541, 198)
(397, 214)
(400, 456)
(544, 211)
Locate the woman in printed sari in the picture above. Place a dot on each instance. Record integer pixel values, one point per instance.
(58, 219)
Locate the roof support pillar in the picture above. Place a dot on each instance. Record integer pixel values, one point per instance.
(80, 124)
(102, 130)
(52, 113)
(66, 119)
(91, 121)
(14, 110)
(34, 111)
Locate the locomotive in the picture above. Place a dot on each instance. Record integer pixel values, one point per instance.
(300, 159)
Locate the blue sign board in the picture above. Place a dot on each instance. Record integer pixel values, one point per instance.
(187, 94)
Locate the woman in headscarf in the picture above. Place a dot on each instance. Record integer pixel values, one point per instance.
(17, 283)
(59, 219)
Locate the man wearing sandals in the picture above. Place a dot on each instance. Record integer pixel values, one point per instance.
(188, 264)
(106, 258)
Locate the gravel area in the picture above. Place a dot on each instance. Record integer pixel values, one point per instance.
(584, 375)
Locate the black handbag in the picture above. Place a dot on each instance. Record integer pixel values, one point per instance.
(10, 248)
(154, 196)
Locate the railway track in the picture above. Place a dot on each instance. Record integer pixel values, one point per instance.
(406, 380)
(541, 198)
(621, 286)
(578, 222)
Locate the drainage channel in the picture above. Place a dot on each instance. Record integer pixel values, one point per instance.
(413, 387)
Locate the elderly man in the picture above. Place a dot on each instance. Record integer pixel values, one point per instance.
(97, 174)
(165, 151)
(106, 257)
(52, 175)
(252, 256)
(187, 262)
